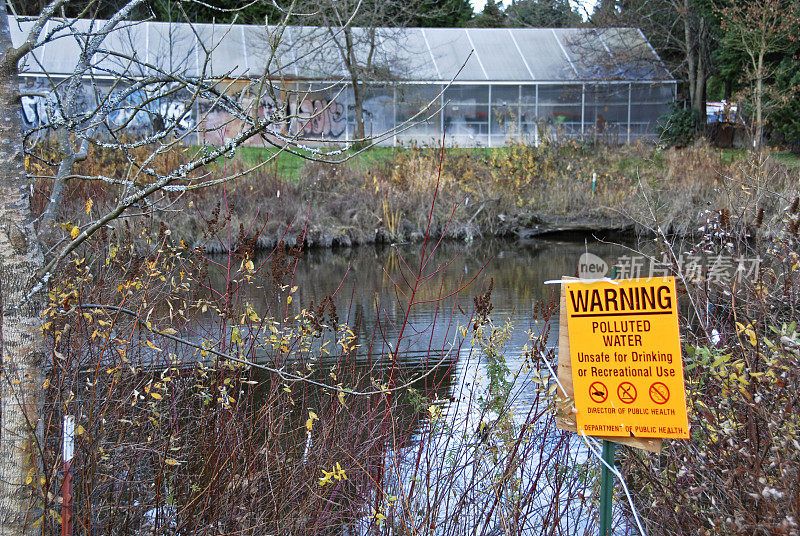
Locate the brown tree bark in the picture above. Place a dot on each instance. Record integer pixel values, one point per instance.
(23, 347)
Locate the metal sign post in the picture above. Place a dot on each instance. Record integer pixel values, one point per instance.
(606, 488)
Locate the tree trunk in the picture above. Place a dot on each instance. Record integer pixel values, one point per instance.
(699, 101)
(352, 68)
(759, 131)
(691, 51)
(359, 109)
(23, 348)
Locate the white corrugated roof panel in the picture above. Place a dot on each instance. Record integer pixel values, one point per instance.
(414, 60)
(499, 54)
(127, 41)
(450, 48)
(544, 53)
(434, 55)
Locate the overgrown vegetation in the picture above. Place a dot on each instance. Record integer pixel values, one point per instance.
(197, 408)
(383, 196)
(738, 474)
(679, 128)
(209, 401)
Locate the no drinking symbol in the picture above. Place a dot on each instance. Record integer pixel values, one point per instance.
(626, 392)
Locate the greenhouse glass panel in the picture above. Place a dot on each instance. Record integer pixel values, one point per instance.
(378, 110)
(560, 109)
(505, 127)
(466, 115)
(648, 103)
(606, 111)
(411, 100)
(529, 121)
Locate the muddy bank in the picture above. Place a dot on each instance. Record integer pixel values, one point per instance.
(524, 227)
(517, 191)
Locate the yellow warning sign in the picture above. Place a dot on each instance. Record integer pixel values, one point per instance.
(625, 350)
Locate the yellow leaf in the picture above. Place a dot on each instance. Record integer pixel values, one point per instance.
(249, 265)
(80, 430)
(74, 232)
(169, 331)
(89, 204)
(153, 346)
(172, 461)
(46, 383)
(156, 396)
(310, 421)
(752, 335)
(288, 299)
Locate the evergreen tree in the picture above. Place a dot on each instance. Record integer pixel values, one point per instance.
(492, 16)
(542, 14)
(440, 13)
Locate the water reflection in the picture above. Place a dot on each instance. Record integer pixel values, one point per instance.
(424, 318)
(372, 286)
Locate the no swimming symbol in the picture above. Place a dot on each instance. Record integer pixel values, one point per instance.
(626, 392)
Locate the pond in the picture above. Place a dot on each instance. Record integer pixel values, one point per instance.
(485, 414)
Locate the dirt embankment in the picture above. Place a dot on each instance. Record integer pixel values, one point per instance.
(515, 191)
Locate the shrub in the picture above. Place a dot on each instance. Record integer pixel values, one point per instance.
(678, 128)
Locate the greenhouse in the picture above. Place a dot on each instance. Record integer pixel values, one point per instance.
(468, 87)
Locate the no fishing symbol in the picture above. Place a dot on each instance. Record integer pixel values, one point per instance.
(598, 392)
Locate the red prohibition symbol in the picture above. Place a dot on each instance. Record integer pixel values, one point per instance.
(598, 392)
(659, 393)
(626, 392)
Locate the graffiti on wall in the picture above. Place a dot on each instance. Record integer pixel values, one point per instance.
(311, 118)
(138, 112)
(317, 118)
(141, 113)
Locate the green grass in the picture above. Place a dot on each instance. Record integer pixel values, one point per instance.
(289, 166)
(787, 158)
(733, 154)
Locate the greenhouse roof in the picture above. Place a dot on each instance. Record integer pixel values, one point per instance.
(477, 55)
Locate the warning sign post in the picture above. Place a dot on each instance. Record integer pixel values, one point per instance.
(625, 355)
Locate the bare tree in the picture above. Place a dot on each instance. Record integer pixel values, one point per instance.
(364, 41)
(113, 98)
(680, 30)
(757, 29)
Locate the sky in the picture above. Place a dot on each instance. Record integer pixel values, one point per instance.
(587, 5)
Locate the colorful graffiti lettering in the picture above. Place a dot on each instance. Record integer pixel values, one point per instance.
(318, 118)
(138, 113)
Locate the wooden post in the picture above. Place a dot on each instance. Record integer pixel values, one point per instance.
(66, 485)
